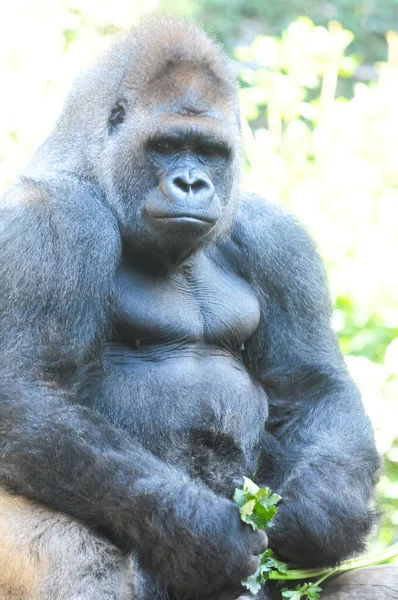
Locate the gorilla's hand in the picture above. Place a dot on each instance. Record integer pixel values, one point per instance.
(197, 542)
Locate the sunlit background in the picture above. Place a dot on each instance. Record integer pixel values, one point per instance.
(319, 95)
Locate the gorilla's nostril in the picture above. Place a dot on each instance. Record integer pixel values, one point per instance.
(186, 186)
(198, 184)
(181, 184)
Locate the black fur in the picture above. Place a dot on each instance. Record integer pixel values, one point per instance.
(148, 364)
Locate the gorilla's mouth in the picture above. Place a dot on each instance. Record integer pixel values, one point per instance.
(183, 223)
(184, 220)
(183, 217)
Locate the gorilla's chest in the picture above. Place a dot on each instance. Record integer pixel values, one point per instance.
(201, 303)
(174, 377)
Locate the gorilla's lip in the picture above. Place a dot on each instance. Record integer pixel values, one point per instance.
(184, 218)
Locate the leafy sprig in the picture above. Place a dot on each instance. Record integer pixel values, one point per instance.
(258, 507)
(307, 590)
(268, 564)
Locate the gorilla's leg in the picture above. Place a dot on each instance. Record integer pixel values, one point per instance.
(46, 555)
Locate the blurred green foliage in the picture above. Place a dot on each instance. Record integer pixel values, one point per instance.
(317, 140)
(230, 19)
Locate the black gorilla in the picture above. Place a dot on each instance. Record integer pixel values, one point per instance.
(164, 334)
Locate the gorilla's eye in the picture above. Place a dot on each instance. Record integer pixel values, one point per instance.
(117, 115)
(213, 150)
(207, 150)
(163, 146)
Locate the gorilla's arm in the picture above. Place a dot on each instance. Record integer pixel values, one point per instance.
(59, 248)
(319, 453)
(56, 276)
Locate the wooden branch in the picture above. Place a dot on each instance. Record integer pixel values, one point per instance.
(373, 583)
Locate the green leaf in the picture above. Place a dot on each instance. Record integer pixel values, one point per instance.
(274, 499)
(268, 559)
(250, 487)
(239, 497)
(291, 594)
(268, 562)
(257, 505)
(311, 591)
(253, 583)
(247, 508)
(255, 520)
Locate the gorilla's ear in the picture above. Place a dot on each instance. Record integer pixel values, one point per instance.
(117, 116)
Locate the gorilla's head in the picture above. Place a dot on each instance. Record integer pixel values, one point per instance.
(162, 137)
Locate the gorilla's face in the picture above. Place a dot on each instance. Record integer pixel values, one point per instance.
(189, 164)
(171, 170)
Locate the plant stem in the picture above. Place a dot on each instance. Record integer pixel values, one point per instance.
(347, 565)
(331, 572)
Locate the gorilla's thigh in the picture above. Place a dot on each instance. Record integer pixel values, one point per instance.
(49, 556)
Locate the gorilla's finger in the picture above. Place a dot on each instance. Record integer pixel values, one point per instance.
(261, 543)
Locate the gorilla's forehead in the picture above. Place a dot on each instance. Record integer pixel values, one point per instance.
(186, 89)
(189, 103)
(172, 61)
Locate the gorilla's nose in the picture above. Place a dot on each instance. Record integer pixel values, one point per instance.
(192, 186)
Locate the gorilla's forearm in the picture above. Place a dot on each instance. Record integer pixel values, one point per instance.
(326, 473)
(69, 458)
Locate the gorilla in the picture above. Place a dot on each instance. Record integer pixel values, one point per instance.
(163, 334)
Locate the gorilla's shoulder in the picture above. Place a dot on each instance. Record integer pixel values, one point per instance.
(52, 227)
(268, 227)
(272, 243)
(60, 212)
